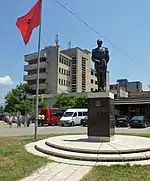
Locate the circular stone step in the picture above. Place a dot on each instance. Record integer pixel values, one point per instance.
(77, 147)
(42, 147)
(79, 143)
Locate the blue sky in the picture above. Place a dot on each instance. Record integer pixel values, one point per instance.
(125, 23)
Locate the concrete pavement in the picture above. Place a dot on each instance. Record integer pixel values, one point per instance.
(5, 130)
(59, 172)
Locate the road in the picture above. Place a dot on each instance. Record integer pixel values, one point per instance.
(5, 130)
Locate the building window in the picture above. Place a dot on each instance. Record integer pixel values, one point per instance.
(59, 70)
(41, 81)
(96, 82)
(62, 70)
(95, 74)
(92, 73)
(60, 59)
(64, 82)
(69, 63)
(61, 81)
(91, 89)
(41, 91)
(92, 81)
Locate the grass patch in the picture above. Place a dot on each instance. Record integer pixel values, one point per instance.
(120, 173)
(15, 162)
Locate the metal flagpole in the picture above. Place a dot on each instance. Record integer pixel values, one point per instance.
(37, 78)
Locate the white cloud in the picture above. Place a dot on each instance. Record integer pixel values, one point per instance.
(6, 80)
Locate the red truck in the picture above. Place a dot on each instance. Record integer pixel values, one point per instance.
(52, 116)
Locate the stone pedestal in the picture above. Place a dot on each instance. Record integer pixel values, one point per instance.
(101, 118)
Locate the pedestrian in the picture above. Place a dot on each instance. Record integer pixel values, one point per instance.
(39, 119)
(11, 120)
(19, 118)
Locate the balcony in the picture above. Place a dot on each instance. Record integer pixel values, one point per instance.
(34, 66)
(33, 76)
(41, 86)
(34, 56)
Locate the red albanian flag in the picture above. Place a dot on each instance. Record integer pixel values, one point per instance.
(28, 22)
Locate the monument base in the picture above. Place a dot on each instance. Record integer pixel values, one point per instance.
(101, 118)
(100, 139)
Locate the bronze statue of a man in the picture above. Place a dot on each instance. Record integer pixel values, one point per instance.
(100, 56)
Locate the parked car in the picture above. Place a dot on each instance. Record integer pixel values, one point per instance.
(122, 120)
(84, 121)
(52, 116)
(2, 117)
(139, 121)
(73, 117)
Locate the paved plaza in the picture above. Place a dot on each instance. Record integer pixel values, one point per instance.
(5, 130)
(59, 172)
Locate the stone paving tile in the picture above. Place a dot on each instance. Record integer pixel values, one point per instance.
(59, 172)
(40, 171)
(79, 174)
(66, 173)
(50, 174)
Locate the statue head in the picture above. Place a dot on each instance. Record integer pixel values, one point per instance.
(99, 43)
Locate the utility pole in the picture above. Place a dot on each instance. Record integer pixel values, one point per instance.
(149, 89)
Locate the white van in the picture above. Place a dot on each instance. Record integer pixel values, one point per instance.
(73, 117)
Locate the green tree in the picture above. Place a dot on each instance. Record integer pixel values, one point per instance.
(16, 99)
(42, 105)
(64, 101)
(24, 106)
(1, 109)
(80, 102)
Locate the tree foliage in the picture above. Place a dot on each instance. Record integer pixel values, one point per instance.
(66, 101)
(42, 104)
(80, 102)
(1, 109)
(15, 100)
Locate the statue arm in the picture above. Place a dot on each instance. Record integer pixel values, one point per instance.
(93, 58)
(107, 55)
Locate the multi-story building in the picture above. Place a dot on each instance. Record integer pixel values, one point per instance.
(135, 86)
(61, 71)
(80, 69)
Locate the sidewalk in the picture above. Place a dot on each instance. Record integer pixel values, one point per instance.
(59, 172)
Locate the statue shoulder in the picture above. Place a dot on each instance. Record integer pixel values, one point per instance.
(106, 49)
(94, 50)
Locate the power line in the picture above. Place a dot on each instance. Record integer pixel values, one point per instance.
(89, 26)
